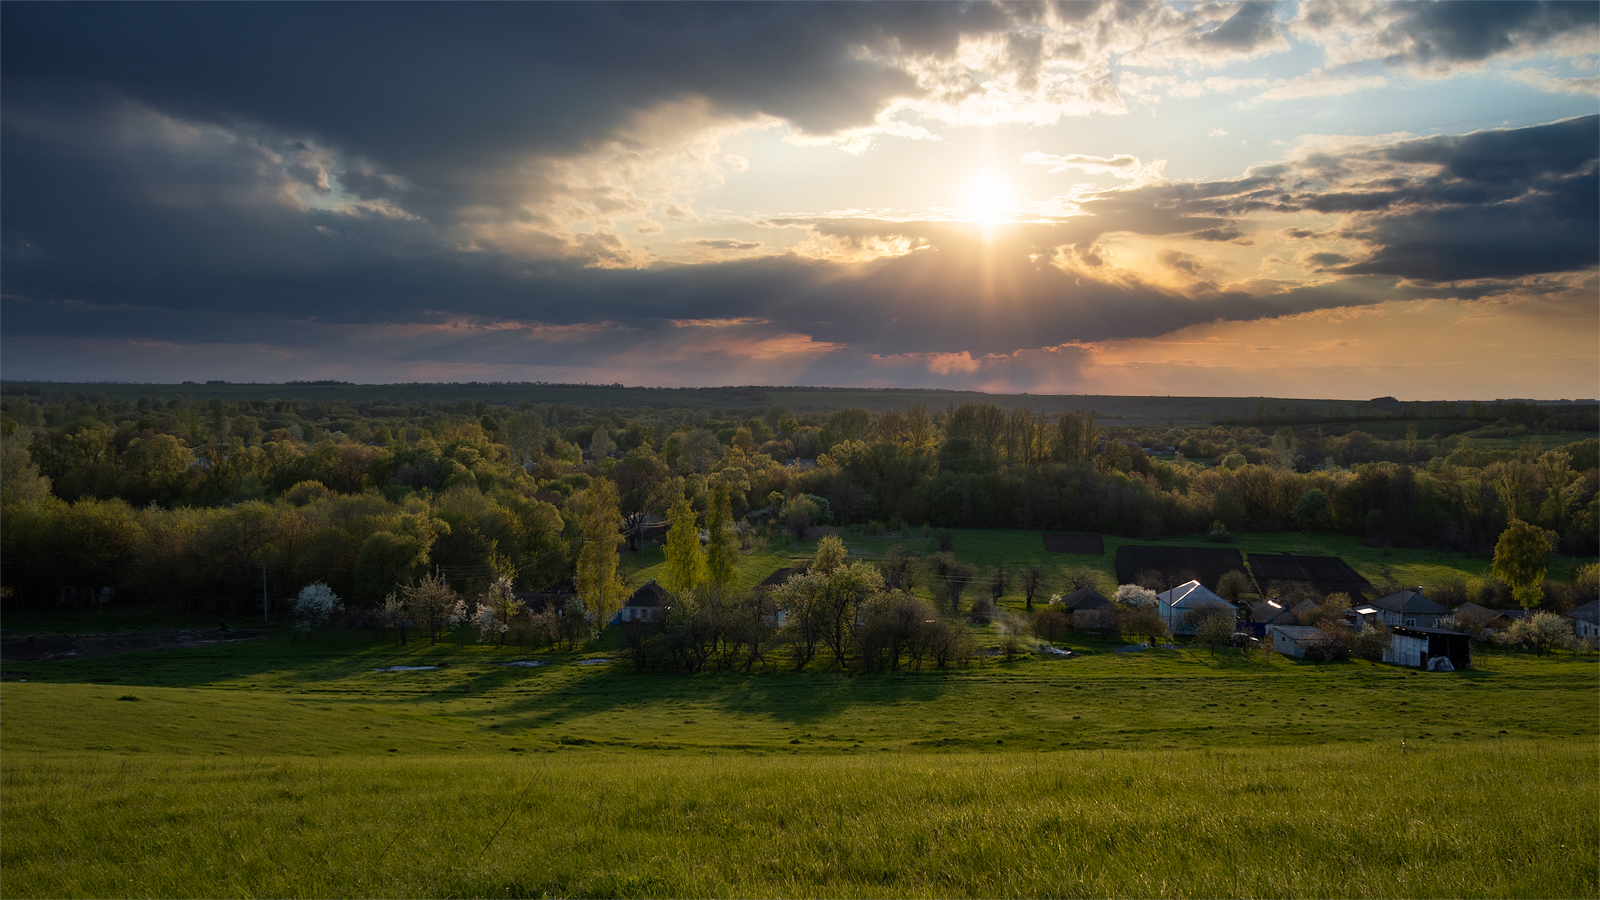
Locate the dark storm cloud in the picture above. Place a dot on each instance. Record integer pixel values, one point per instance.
(1252, 25)
(1442, 34)
(164, 166)
(433, 91)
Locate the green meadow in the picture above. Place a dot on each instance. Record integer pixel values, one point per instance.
(267, 767)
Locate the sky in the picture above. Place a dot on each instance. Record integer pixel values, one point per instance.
(1279, 199)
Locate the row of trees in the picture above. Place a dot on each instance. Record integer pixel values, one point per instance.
(166, 498)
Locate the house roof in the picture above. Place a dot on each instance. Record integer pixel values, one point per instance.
(651, 595)
(1192, 594)
(1300, 634)
(1412, 602)
(1423, 631)
(1085, 599)
(1267, 611)
(1589, 612)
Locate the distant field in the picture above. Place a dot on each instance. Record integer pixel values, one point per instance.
(263, 768)
(1138, 411)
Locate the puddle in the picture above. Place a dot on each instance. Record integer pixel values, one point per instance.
(529, 663)
(404, 668)
(592, 662)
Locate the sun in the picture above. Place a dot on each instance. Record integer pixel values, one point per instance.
(989, 198)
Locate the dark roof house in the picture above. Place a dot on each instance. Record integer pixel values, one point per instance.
(648, 604)
(1085, 599)
(1409, 608)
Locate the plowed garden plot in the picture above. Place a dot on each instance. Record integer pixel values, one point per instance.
(1177, 564)
(1089, 544)
(1327, 574)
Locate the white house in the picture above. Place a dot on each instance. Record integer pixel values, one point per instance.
(1586, 620)
(1177, 604)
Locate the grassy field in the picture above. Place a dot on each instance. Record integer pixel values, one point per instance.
(1513, 819)
(270, 768)
(308, 768)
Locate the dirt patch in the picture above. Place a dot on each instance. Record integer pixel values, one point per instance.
(31, 647)
(1177, 564)
(1327, 574)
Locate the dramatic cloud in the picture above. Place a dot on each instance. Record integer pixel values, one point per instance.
(562, 190)
(1439, 38)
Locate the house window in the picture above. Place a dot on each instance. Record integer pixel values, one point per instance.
(1410, 622)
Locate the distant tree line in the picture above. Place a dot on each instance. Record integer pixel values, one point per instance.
(161, 499)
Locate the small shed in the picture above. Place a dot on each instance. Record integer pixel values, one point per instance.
(1415, 646)
(1298, 641)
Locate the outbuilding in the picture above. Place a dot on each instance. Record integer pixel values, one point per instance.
(1416, 646)
(1298, 641)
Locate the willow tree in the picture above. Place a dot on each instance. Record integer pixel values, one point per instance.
(598, 585)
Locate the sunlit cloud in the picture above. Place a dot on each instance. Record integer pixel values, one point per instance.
(1028, 197)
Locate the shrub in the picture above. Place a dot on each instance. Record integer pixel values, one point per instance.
(983, 611)
(1133, 596)
(1370, 642)
(1336, 640)
(1052, 622)
(1143, 622)
(1543, 631)
(1234, 583)
(314, 605)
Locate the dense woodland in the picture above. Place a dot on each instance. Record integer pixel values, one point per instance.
(197, 502)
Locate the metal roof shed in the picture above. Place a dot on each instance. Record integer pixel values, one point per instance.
(1411, 645)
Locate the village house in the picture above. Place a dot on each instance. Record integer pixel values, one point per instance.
(1408, 608)
(1586, 620)
(1090, 611)
(650, 603)
(1183, 603)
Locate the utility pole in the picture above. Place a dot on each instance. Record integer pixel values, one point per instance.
(263, 593)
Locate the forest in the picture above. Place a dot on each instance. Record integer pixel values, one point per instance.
(211, 503)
